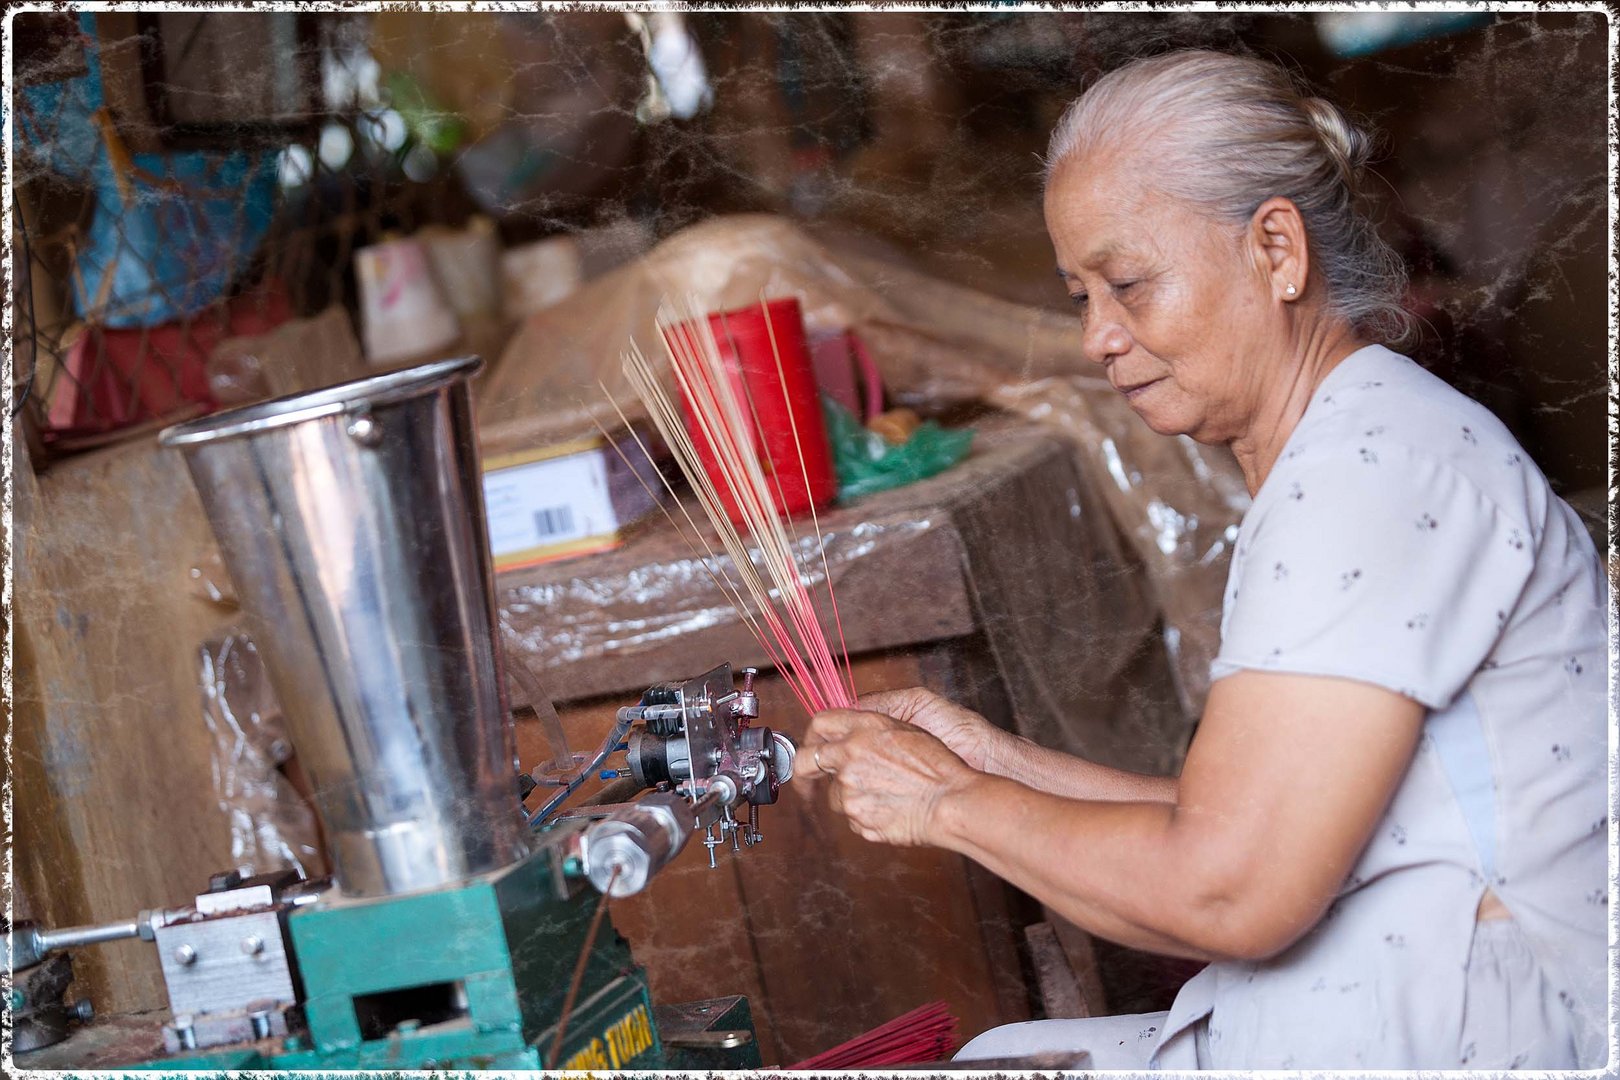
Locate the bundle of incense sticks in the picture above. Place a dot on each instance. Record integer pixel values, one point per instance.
(770, 592)
(921, 1036)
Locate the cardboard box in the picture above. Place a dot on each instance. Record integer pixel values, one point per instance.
(566, 500)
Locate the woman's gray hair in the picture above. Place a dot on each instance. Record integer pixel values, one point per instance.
(1226, 133)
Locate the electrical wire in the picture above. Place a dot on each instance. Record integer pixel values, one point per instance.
(579, 971)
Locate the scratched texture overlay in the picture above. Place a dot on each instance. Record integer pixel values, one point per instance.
(206, 209)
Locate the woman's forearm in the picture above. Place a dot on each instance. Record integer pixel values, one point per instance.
(1057, 773)
(1110, 867)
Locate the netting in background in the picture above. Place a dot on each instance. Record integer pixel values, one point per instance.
(179, 184)
(186, 179)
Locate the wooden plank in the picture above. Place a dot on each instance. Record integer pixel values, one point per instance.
(1082, 958)
(1061, 997)
(613, 623)
(115, 803)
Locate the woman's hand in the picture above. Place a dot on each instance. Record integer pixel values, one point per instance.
(886, 777)
(970, 736)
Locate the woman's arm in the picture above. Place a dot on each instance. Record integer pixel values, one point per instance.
(990, 749)
(1284, 784)
(1057, 773)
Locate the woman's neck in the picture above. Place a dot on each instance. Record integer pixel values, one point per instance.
(1283, 404)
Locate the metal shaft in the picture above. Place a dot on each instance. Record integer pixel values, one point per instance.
(70, 937)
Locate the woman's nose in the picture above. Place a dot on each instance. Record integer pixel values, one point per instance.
(1104, 340)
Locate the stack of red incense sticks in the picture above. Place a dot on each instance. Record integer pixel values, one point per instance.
(773, 594)
(922, 1035)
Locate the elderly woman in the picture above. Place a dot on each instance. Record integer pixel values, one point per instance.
(1388, 839)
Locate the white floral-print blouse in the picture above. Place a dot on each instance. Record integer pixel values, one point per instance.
(1405, 539)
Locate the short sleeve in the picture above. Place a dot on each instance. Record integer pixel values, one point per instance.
(1391, 568)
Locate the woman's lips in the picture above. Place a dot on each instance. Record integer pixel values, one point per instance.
(1132, 392)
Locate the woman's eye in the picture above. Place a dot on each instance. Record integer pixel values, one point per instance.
(1122, 287)
(1078, 300)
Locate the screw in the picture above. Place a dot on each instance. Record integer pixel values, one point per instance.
(185, 956)
(364, 430)
(252, 945)
(748, 679)
(83, 1011)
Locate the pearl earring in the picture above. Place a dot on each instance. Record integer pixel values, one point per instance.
(1290, 290)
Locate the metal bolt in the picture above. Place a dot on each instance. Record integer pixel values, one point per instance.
(185, 956)
(252, 945)
(84, 1011)
(364, 430)
(260, 1022)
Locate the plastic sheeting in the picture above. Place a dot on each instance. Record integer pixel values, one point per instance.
(937, 345)
(271, 825)
(652, 596)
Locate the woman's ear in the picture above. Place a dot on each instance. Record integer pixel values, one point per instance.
(1277, 233)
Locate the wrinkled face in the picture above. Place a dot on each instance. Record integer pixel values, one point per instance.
(1172, 304)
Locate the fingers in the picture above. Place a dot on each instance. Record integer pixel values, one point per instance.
(901, 704)
(835, 799)
(825, 759)
(830, 730)
(834, 724)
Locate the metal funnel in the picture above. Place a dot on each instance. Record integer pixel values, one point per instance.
(352, 522)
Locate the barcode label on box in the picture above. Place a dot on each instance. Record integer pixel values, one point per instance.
(535, 507)
(554, 521)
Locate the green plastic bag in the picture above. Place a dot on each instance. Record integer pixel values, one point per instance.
(867, 464)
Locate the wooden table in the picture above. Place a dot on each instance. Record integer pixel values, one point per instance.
(1011, 547)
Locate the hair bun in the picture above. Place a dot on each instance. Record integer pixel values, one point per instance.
(1349, 147)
